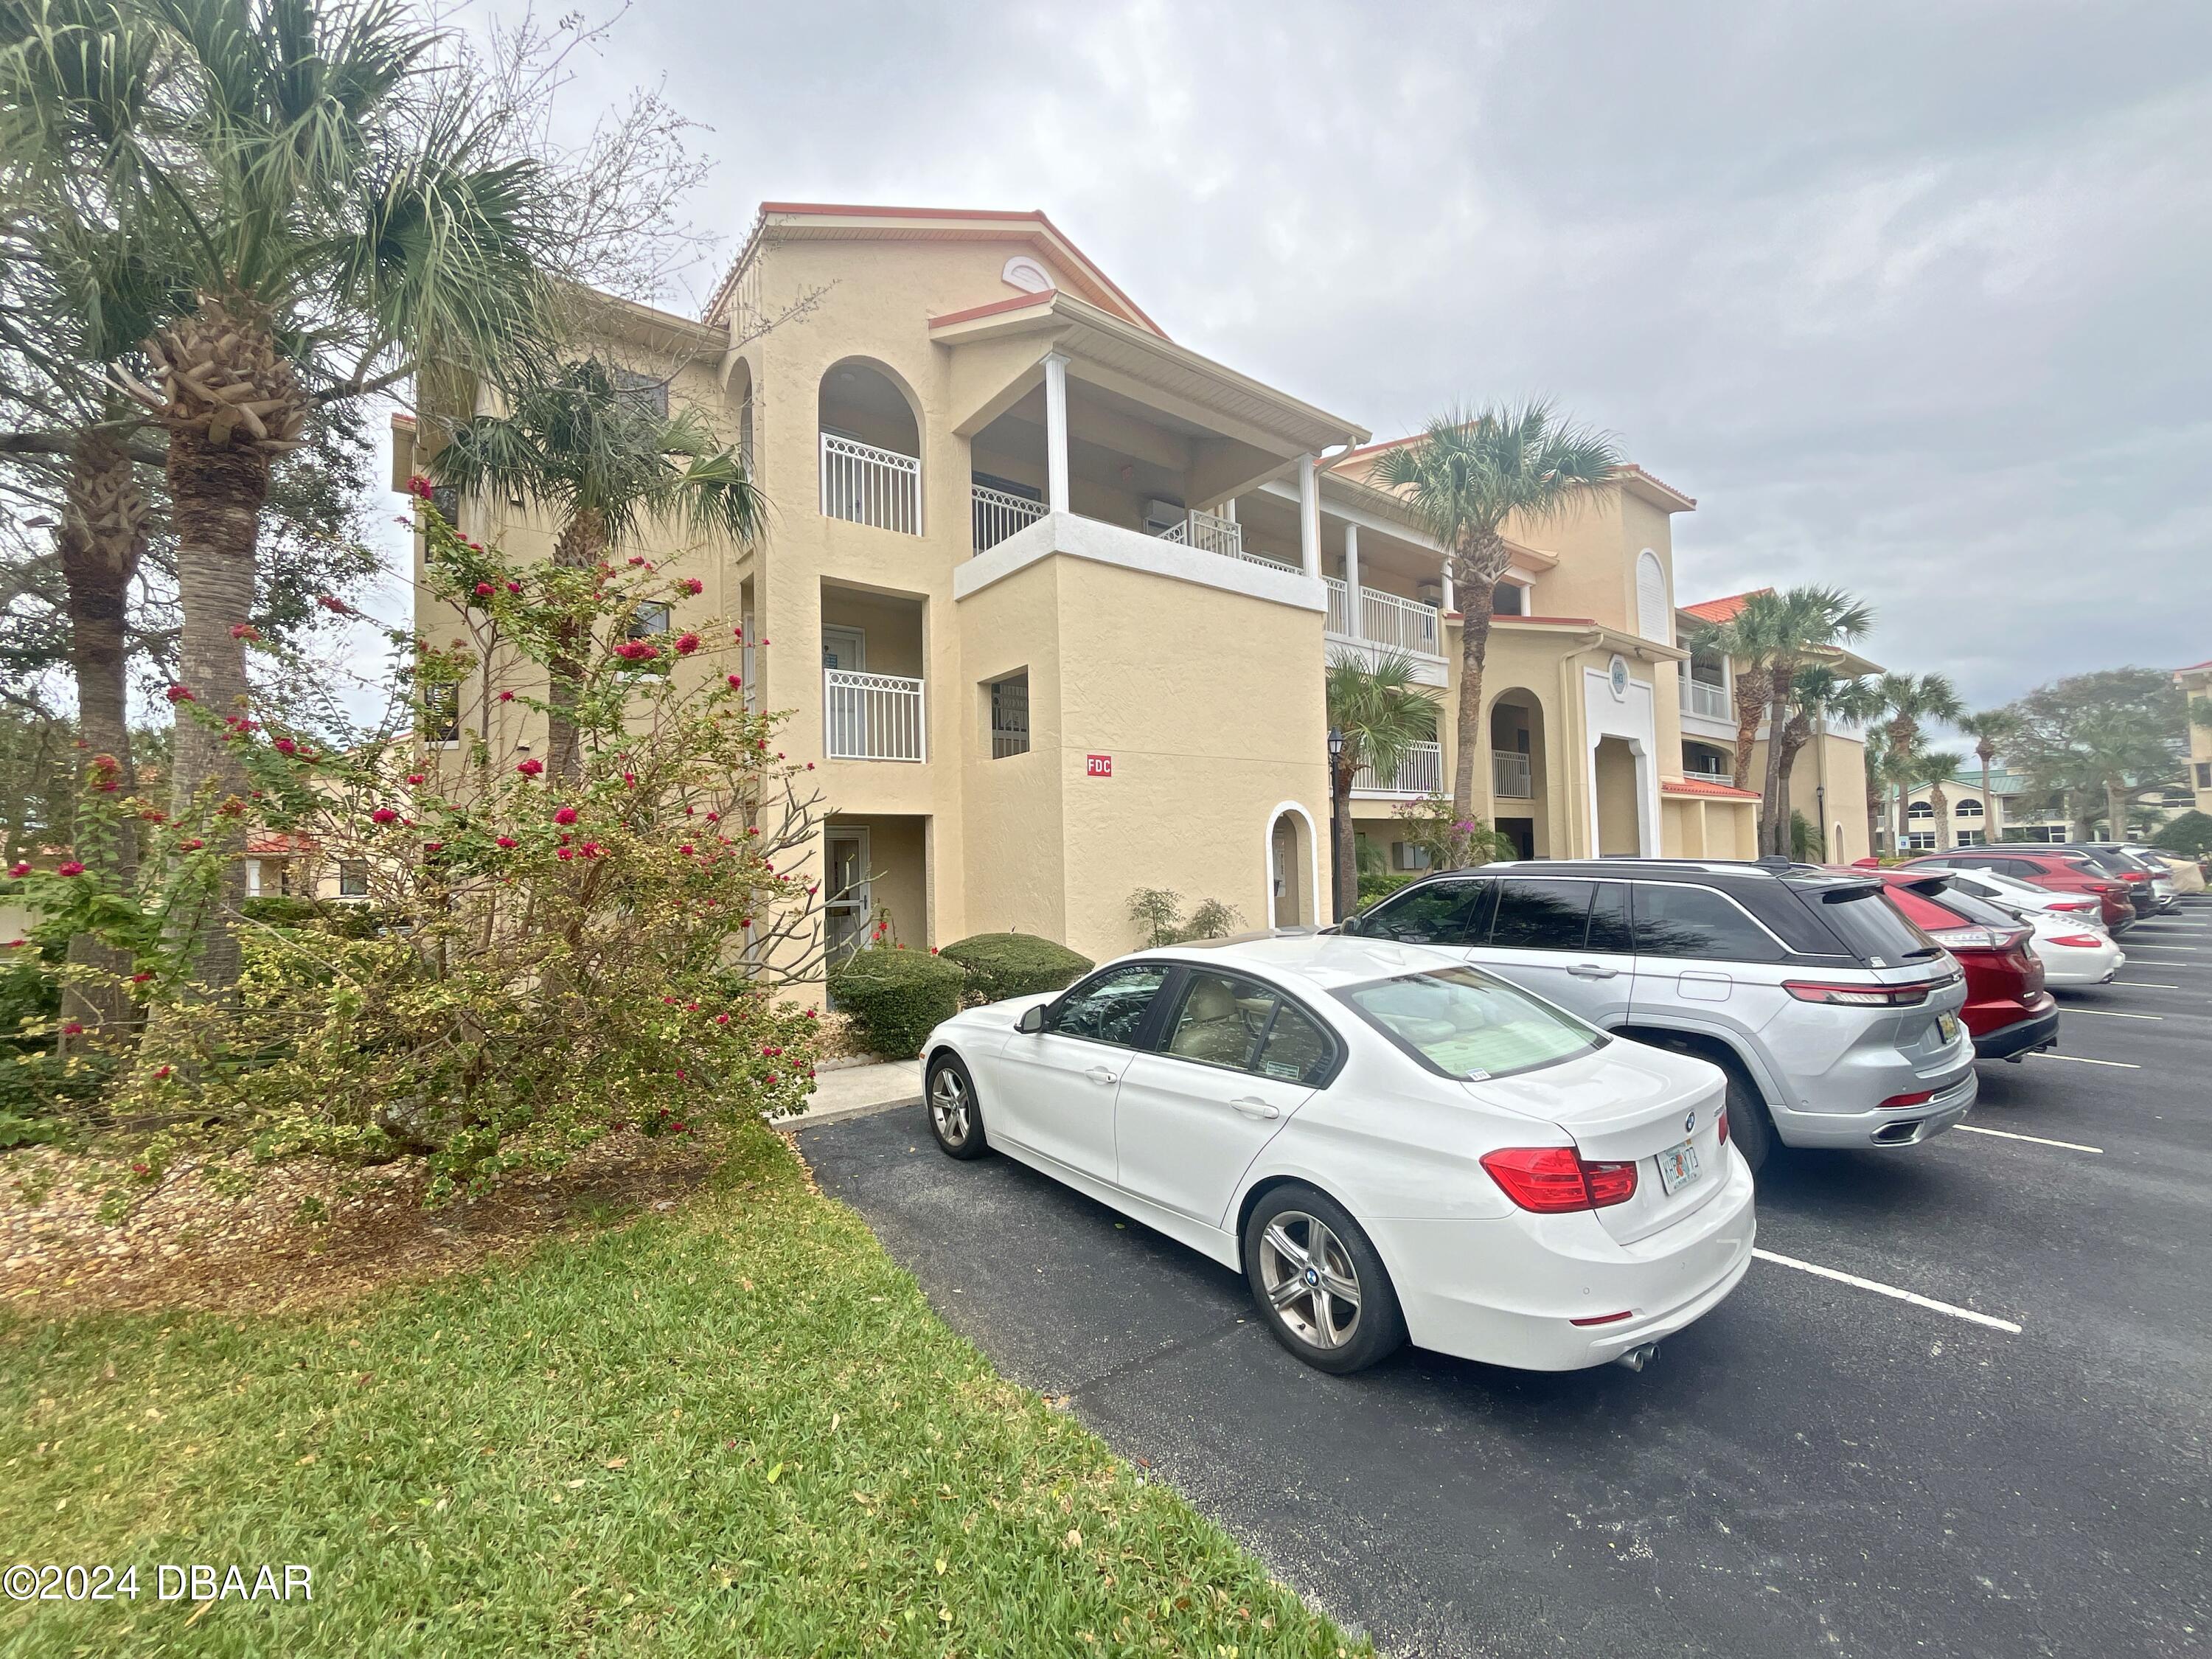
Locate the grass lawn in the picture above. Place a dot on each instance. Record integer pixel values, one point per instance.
(735, 1427)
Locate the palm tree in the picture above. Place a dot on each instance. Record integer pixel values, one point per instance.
(1930, 770)
(1742, 639)
(1376, 715)
(318, 202)
(579, 442)
(1817, 693)
(1992, 729)
(1907, 700)
(1465, 475)
(1776, 633)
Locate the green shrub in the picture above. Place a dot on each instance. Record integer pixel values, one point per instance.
(1002, 965)
(2189, 836)
(896, 996)
(1378, 884)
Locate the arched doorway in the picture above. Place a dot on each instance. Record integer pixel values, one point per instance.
(1613, 778)
(871, 442)
(1293, 898)
(1519, 782)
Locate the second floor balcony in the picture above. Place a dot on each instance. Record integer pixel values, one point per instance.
(1420, 773)
(1706, 699)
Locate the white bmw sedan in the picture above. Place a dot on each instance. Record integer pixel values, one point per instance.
(1388, 1144)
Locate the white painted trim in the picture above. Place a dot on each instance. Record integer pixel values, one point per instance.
(1055, 431)
(1313, 861)
(1631, 718)
(1078, 537)
(1309, 517)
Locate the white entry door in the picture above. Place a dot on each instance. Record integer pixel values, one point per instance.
(848, 906)
(844, 708)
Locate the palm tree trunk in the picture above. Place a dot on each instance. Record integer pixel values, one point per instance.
(1794, 736)
(1473, 744)
(1942, 803)
(1902, 731)
(216, 490)
(1750, 709)
(1989, 807)
(1347, 856)
(1773, 810)
(581, 546)
(102, 537)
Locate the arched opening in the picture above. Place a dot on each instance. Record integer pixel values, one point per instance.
(738, 390)
(1519, 783)
(1613, 776)
(871, 438)
(1655, 616)
(1293, 874)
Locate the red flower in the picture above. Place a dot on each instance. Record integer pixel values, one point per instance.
(509, 842)
(141, 1169)
(414, 777)
(433, 846)
(140, 979)
(564, 852)
(692, 585)
(737, 633)
(515, 588)
(531, 768)
(192, 846)
(23, 869)
(564, 815)
(486, 590)
(591, 849)
(636, 651)
(384, 815)
(637, 559)
(721, 1019)
(507, 696)
(162, 1073)
(629, 780)
(178, 694)
(736, 681)
(686, 644)
(713, 817)
(685, 850)
(335, 605)
(245, 631)
(285, 746)
(813, 1013)
(72, 1027)
(419, 487)
(71, 868)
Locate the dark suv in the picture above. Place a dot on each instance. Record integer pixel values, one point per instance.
(1835, 1018)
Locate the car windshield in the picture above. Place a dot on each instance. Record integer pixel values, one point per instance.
(1874, 929)
(1463, 1023)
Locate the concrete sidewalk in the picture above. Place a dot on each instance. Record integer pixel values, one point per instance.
(857, 1090)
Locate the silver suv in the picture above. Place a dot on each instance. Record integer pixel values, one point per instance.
(1834, 1017)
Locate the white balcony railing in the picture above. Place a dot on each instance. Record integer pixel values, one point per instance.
(1212, 534)
(1510, 775)
(999, 513)
(1385, 619)
(1709, 701)
(872, 716)
(1420, 773)
(863, 484)
(1726, 778)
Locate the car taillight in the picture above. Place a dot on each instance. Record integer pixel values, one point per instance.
(1970, 938)
(1554, 1180)
(2071, 908)
(2079, 941)
(1917, 1097)
(1860, 996)
(1720, 1123)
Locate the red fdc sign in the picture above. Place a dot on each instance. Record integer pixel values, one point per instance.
(1098, 766)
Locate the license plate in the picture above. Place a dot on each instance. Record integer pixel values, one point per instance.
(1678, 1167)
(1947, 1026)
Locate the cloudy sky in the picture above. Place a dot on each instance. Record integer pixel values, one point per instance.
(1912, 298)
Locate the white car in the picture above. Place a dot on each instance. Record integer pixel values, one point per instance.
(2068, 939)
(1387, 1143)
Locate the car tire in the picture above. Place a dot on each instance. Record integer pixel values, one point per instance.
(1311, 1322)
(1751, 1131)
(955, 1118)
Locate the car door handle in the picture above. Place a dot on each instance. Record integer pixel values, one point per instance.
(1593, 970)
(1248, 1106)
(1099, 1074)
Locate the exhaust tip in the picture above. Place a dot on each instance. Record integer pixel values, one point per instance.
(1639, 1357)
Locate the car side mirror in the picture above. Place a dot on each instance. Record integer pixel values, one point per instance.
(1350, 924)
(1032, 1019)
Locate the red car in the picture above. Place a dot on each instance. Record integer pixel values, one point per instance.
(2008, 1010)
(2054, 870)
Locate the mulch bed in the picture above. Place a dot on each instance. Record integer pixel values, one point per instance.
(189, 1247)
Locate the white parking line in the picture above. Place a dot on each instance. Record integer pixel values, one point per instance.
(2083, 1060)
(2007, 1135)
(1880, 1289)
(2179, 949)
(2110, 1013)
(2143, 984)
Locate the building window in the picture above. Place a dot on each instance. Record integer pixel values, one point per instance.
(1973, 838)
(646, 392)
(442, 713)
(1409, 855)
(353, 878)
(1010, 715)
(650, 617)
(1508, 600)
(1920, 841)
(2204, 775)
(1920, 809)
(446, 500)
(1968, 808)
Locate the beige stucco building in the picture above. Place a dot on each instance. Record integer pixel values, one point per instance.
(1048, 597)
(2195, 683)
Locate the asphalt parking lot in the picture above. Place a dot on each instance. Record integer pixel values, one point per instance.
(2016, 1463)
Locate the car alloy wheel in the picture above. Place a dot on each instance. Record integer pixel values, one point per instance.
(1310, 1280)
(948, 1108)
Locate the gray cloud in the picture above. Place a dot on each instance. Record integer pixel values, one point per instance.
(1911, 297)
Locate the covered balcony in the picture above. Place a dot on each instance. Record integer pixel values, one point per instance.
(1420, 775)
(871, 442)
(873, 704)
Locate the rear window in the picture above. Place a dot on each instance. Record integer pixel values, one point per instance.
(1978, 911)
(1463, 1023)
(1875, 930)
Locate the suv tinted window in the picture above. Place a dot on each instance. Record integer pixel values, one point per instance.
(1436, 913)
(1110, 1008)
(1542, 913)
(1875, 930)
(1674, 920)
(1609, 919)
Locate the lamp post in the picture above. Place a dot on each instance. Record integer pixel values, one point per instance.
(1337, 827)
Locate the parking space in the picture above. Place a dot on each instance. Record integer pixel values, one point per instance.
(1957, 1408)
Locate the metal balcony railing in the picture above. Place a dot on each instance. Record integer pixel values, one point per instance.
(1510, 777)
(1420, 773)
(998, 513)
(863, 484)
(872, 716)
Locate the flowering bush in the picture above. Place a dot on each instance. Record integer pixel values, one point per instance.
(553, 952)
(1451, 842)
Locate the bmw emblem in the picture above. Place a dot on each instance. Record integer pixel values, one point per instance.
(1689, 1123)
(1312, 1276)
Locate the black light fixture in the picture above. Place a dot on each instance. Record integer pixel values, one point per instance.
(1335, 742)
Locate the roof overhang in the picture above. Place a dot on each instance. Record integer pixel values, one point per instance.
(1588, 634)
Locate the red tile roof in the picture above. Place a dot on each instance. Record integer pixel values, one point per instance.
(1700, 786)
(1722, 611)
(1012, 302)
(2193, 667)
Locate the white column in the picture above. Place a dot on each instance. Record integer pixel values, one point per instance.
(1309, 517)
(1055, 431)
(1450, 604)
(1228, 510)
(1351, 617)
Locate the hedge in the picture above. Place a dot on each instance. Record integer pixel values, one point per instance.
(896, 997)
(1380, 885)
(1002, 965)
